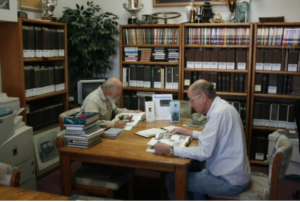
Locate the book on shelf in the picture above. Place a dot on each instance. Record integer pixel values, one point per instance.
(198, 59)
(81, 118)
(260, 55)
(277, 59)
(112, 133)
(268, 58)
(170, 139)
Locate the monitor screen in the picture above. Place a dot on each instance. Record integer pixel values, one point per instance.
(85, 87)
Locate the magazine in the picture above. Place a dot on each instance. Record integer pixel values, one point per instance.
(175, 140)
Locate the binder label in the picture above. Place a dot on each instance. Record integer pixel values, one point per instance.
(241, 65)
(214, 65)
(272, 89)
(267, 66)
(257, 88)
(198, 65)
(206, 65)
(190, 64)
(292, 67)
(259, 66)
(222, 65)
(230, 65)
(276, 66)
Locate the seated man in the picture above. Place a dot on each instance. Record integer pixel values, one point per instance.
(102, 100)
(221, 145)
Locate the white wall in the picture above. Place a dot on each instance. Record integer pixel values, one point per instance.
(259, 8)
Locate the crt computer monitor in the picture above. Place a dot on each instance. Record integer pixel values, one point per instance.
(85, 87)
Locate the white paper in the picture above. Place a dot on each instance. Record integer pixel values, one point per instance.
(149, 108)
(162, 106)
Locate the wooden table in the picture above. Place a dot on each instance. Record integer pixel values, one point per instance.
(15, 193)
(127, 150)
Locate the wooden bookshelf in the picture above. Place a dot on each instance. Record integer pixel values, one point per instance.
(13, 63)
(285, 98)
(227, 95)
(148, 44)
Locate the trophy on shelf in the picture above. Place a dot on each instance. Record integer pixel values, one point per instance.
(48, 8)
(133, 7)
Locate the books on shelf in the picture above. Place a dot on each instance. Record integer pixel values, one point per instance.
(81, 118)
(170, 139)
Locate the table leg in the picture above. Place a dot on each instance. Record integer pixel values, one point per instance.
(180, 182)
(65, 175)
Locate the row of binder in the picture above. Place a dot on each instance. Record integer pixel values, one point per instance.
(43, 42)
(146, 76)
(151, 36)
(151, 54)
(217, 59)
(274, 115)
(240, 108)
(223, 82)
(277, 60)
(277, 84)
(217, 35)
(286, 36)
(42, 80)
(44, 115)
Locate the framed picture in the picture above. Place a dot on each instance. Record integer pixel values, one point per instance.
(166, 3)
(8, 10)
(31, 5)
(46, 151)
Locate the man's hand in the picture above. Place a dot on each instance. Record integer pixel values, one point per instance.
(182, 131)
(162, 148)
(119, 124)
(138, 111)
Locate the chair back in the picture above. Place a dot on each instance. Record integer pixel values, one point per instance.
(278, 164)
(64, 114)
(9, 175)
(61, 140)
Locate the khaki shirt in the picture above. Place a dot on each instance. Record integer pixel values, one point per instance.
(97, 102)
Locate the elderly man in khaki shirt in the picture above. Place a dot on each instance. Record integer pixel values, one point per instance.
(102, 100)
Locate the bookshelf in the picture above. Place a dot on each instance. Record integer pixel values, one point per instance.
(43, 106)
(147, 48)
(275, 84)
(204, 47)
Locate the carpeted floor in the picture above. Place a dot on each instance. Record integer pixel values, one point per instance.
(147, 185)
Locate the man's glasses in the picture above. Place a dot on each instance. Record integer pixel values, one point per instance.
(191, 100)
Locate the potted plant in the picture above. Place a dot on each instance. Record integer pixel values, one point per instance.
(91, 40)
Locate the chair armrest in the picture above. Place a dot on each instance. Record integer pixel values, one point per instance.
(9, 175)
(15, 178)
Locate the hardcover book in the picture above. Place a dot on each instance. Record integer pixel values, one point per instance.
(81, 118)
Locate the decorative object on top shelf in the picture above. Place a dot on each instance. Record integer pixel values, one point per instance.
(199, 14)
(271, 19)
(242, 12)
(48, 8)
(146, 19)
(133, 7)
(172, 3)
(91, 40)
(231, 5)
(190, 9)
(21, 14)
(207, 12)
(165, 17)
(217, 18)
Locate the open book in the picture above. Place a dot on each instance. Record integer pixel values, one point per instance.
(175, 140)
(131, 119)
(153, 131)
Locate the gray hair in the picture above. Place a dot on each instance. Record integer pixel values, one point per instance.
(205, 87)
(109, 85)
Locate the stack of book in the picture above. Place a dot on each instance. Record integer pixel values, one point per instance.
(82, 129)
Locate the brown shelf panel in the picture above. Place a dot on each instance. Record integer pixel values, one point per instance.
(282, 24)
(267, 128)
(42, 22)
(152, 45)
(275, 96)
(150, 63)
(43, 59)
(45, 96)
(151, 89)
(276, 72)
(256, 162)
(216, 70)
(278, 47)
(216, 46)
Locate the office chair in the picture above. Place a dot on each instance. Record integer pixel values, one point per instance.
(265, 187)
(297, 118)
(9, 175)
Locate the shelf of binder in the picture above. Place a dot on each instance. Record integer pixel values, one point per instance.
(275, 81)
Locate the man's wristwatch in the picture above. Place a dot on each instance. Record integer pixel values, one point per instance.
(171, 151)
